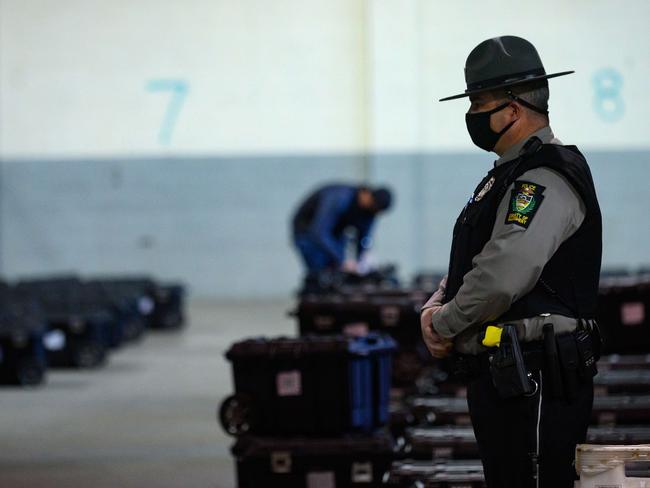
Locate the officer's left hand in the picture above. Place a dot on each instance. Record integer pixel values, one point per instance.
(438, 346)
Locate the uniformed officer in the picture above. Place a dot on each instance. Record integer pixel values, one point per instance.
(526, 251)
(321, 220)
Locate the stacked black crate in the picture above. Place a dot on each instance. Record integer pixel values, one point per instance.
(22, 328)
(86, 318)
(622, 387)
(148, 303)
(436, 425)
(309, 411)
(79, 333)
(356, 311)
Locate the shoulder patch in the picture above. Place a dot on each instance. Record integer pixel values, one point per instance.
(526, 199)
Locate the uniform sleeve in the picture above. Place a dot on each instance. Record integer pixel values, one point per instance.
(511, 262)
(332, 204)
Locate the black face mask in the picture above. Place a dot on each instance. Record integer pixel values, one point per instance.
(478, 126)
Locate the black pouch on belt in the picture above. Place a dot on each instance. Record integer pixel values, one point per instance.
(588, 354)
(569, 364)
(509, 374)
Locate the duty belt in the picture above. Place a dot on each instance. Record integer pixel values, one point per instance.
(467, 367)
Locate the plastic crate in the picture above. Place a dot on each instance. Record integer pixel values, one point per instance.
(624, 361)
(443, 442)
(358, 313)
(442, 474)
(622, 381)
(80, 330)
(623, 313)
(313, 463)
(628, 434)
(440, 410)
(311, 386)
(621, 410)
(22, 326)
(168, 312)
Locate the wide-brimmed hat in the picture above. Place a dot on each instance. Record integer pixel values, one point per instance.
(502, 62)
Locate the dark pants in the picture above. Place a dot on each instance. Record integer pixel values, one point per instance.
(510, 432)
(313, 255)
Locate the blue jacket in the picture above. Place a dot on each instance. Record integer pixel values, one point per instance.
(325, 215)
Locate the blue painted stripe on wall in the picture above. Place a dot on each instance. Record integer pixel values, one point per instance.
(221, 224)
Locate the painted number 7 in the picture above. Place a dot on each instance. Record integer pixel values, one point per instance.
(179, 90)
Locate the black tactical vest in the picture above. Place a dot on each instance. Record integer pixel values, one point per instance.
(569, 282)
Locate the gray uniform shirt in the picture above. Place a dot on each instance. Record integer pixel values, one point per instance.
(511, 262)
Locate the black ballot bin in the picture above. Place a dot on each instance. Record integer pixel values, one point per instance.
(620, 434)
(621, 410)
(439, 410)
(123, 302)
(317, 385)
(624, 361)
(22, 327)
(334, 280)
(159, 305)
(622, 381)
(437, 474)
(361, 461)
(623, 308)
(351, 314)
(80, 331)
(168, 312)
(441, 442)
(395, 312)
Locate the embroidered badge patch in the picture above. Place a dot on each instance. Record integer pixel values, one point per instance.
(485, 189)
(526, 199)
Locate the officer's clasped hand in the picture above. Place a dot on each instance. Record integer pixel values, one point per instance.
(438, 346)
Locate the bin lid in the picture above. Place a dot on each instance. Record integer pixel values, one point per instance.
(372, 343)
(286, 346)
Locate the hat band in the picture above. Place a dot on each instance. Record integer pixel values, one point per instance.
(496, 82)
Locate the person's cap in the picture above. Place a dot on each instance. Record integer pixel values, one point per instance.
(382, 198)
(502, 62)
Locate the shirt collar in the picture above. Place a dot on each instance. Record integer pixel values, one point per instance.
(545, 134)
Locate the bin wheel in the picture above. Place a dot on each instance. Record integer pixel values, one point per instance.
(236, 414)
(133, 329)
(88, 355)
(29, 373)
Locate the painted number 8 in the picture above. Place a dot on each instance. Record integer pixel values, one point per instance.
(608, 102)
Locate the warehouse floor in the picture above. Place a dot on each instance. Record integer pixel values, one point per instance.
(145, 419)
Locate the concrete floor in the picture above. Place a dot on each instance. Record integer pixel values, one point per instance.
(146, 419)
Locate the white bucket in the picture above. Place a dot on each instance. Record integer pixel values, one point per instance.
(604, 466)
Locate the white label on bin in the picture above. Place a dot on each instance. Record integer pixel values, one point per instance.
(54, 340)
(321, 479)
(289, 383)
(633, 313)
